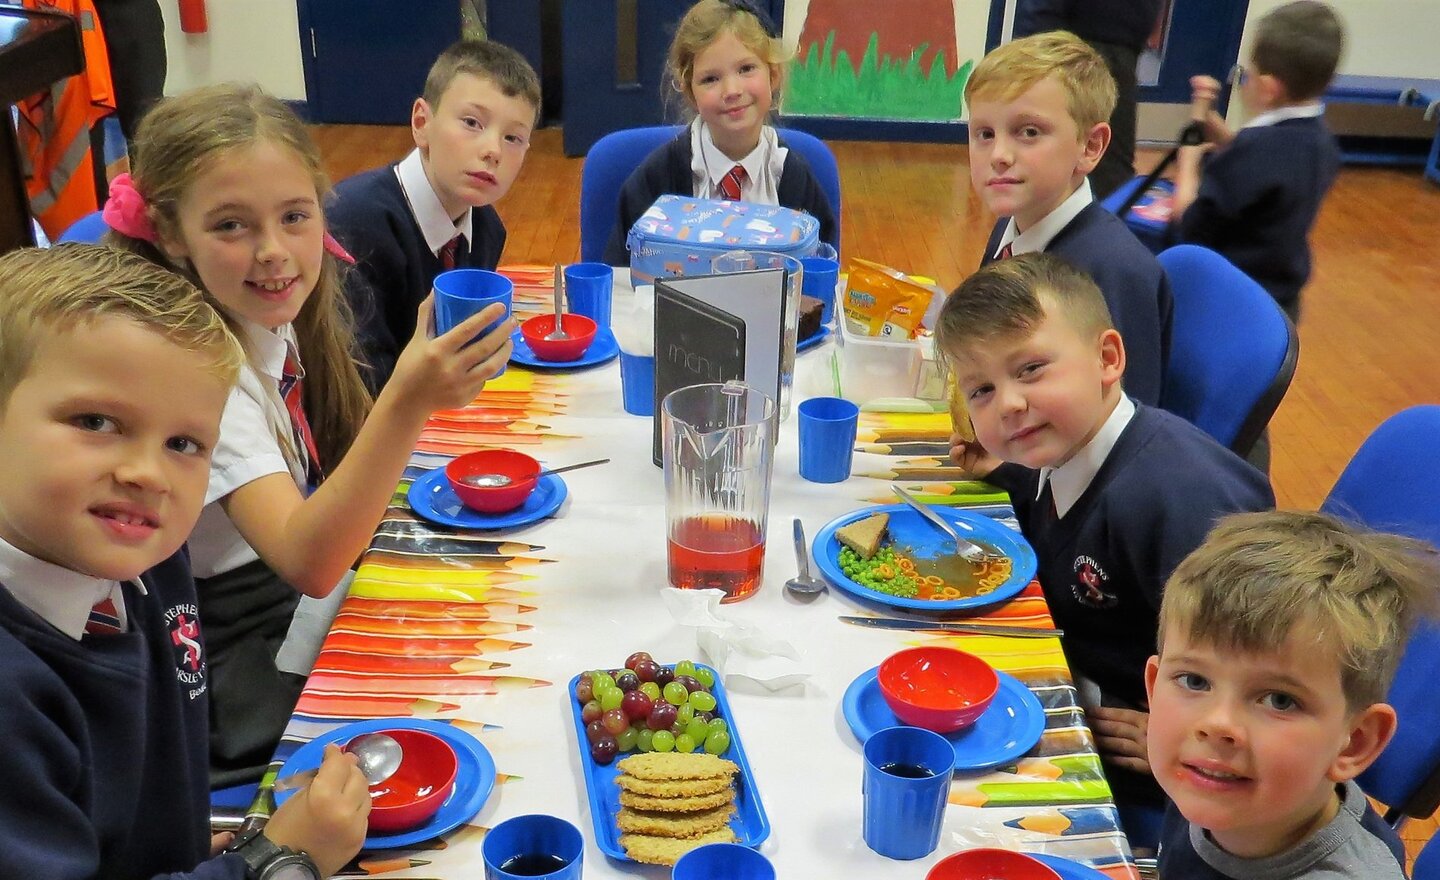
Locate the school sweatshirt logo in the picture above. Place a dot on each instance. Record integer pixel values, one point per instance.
(1089, 586)
(183, 622)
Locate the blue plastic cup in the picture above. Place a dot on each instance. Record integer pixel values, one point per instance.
(821, 275)
(588, 287)
(907, 779)
(533, 846)
(460, 293)
(827, 438)
(637, 383)
(723, 861)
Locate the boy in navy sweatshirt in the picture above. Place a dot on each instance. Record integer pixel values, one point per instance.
(113, 376)
(434, 210)
(1111, 493)
(1038, 111)
(1257, 197)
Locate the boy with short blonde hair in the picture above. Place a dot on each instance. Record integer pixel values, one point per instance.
(406, 222)
(113, 376)
(1279, 637)
(1111, 493)
(1038, 109)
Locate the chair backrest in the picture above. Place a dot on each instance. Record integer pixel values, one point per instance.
(1427, 864)
(614, 156)
(1392, 484)
(1232, 350)
(87, 229)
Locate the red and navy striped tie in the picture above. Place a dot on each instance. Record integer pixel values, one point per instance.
(104, 619)
(730, 183)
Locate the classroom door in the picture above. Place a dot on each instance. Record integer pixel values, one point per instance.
(365, 60)
(613, 57)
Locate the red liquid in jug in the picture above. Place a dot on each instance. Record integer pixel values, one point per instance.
(717, 552)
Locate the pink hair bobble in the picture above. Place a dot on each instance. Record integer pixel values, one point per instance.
(125, 210)
(336, 250)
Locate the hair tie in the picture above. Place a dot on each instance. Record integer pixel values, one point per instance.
(125, 210)
(766, 24)
(335, 250)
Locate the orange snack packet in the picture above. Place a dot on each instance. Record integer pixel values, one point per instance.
(881, 301)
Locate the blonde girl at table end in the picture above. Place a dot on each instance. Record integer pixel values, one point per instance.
(228, 191)
(1279, 638)
(727, 63)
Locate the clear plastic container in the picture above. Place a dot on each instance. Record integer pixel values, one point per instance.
(872, 367)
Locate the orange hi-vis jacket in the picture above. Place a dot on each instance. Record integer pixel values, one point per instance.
(54, 128)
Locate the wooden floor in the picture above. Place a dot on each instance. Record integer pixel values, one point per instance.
(1370, 337)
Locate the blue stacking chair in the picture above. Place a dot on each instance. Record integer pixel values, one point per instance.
(1393, 485)
(1427, 864)
(614, 156)
(1232, 350)
(87, 229)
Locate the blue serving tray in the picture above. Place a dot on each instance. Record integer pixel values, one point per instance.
(749, 823)
(910, 528)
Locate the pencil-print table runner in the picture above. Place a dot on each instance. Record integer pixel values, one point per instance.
(484, 630)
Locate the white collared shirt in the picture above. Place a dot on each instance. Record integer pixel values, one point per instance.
(436, 225)
(1038, 237)
(1070, 480)
(256, 440)
(1308, 110)
(63, 598)
(763, 166)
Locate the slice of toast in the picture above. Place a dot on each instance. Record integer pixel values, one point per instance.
(864, 536)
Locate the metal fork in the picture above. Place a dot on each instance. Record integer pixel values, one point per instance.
(968, 550)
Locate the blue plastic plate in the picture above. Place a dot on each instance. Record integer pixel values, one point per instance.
(910, 529)
(474, 779)
(749, 823)
(432, 498)
(1069, 870)
(813, 339)
(1008, 729)
(602, 350)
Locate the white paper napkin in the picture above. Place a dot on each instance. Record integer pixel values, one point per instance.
(735, 649)
(632, 319)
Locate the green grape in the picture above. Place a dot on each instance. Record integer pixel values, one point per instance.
(697, 730)
(650, 689)
(599, 680)
(675, 694)
(719, 724)
(644, 739)
(705, 676)
(626, 739)
(685, 743)
(701, 701)
(611, 698)
(684, 667)
(664, 741)
(717, 742)
(685, 714)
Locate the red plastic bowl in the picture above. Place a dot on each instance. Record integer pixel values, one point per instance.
(990, 864)
(580, 328)
(939, 689)
(419, 787)
(522, 470)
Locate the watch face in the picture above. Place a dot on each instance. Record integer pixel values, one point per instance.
(290, 867)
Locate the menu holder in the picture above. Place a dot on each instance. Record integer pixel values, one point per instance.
(717, 328)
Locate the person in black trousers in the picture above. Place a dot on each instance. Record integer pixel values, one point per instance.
(1117, 29)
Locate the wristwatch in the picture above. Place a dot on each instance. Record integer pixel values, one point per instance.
(267, 860)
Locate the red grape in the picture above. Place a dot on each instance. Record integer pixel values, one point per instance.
(636, 705)
(664, 676)
(628, 681)
(662, 715)
(591, 711)
(634, 659)
(604, 749)
(647, 669)
(614, 722)
(594, 730)
(692, 684)
(584, 689)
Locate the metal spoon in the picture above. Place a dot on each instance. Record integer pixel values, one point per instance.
(803, 584)
(559, 332)
(378, 757)
(968, 550)
(495, 481)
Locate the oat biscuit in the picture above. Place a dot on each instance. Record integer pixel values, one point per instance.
(658, 766)
(672, 788)
(675, 804)
(668, 850)
(673, 824)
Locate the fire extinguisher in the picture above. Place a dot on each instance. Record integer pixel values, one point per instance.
(192, 16)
